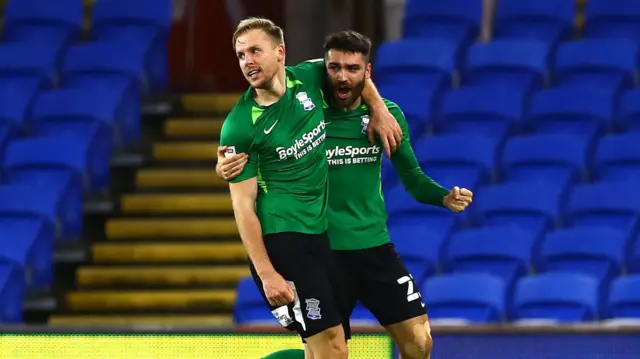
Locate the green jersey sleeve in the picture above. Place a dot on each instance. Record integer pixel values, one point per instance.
(237, 134)
(415, 181)
(311, 72)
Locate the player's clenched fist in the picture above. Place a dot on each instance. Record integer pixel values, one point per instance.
(458, 199)
(229, 167)
(277, 290)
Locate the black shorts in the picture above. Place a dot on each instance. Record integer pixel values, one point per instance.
(307, 262)
(380, 281)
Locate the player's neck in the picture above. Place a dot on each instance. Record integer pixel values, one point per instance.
(274, 92)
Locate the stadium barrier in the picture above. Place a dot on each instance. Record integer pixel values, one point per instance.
(451, 342)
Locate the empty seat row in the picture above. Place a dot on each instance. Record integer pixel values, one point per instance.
(554, 158)
(141, 27)
(512, 252)
(481, 297)
(547, 20)
(535, 206)
(93, 74)
(500, 111)
(527, 65)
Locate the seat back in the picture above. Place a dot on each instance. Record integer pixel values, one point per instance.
(564, 297)
(475, 297)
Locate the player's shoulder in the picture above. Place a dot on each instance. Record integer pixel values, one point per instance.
(395, 110)
(391, 106)
(306, 65)
(309, 69)
(241, 111)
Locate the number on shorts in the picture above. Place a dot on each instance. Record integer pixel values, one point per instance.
(411, 293)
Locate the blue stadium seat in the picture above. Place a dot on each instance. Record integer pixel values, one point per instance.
(492, 110)
(633, 262)
(546, 20)
(250, 307)
(624, 297)
(475, 297)
(555, 158)
(430, 66)
(520, 64)
(104, 65)
(613, 19)
(29, 216)
(610, 204)
(56, 24)
(34, 63)
(457, 20)
(420, 247)
(5, 136)
(12, 290)
(564, 297)
(90, 114)
(145, 24)
(417, 104)
(581, 109)
(60, 164)
(15, 101)
(600, 62)
(404, 209)
(629, 111)
(41, 159)
(464, 160)
(501, 251)
(531, 206)
(598, 252)
(617, 158)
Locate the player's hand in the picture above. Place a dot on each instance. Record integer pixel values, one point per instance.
(229, 168)
(277, 290)
(458, 199)
(385, 125)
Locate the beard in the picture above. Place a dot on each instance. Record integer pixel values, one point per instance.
(344, 95)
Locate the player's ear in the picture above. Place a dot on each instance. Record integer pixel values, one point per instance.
(282, 51)
(367, 71)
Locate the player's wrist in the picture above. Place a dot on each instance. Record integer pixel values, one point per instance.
(265, 271)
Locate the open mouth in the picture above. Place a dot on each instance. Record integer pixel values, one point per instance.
(253, 73)
(343, 93)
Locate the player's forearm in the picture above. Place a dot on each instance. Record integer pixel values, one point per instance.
(372, 97)
(243, 197)
(423, 188)
(420, 186)
(251, 235)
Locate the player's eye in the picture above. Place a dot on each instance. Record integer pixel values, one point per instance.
(240, 56)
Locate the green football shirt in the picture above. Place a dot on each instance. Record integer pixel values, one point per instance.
(285, 144)
(357, 214)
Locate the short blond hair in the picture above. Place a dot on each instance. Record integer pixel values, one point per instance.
(258, 23)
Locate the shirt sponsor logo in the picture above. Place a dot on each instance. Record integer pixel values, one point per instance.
(352, 155)
(305, 144)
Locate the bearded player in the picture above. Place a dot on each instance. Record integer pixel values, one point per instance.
(357, 229)
(279, 199)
